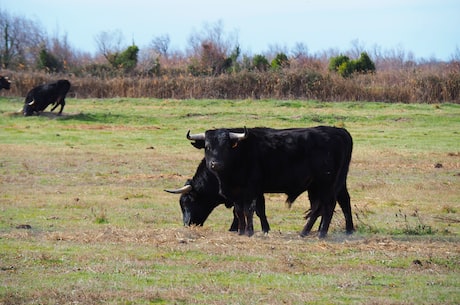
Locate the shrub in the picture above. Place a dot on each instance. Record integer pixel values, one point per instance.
(126, 60)
(260, 63)
(346, 67)
(364, 64)
(338, 61)
(49, 62)
(280, 61)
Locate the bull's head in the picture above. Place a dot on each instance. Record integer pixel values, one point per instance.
(29, 108)
(219, 145)
(199, 196)
(195, 206)
(184, 201)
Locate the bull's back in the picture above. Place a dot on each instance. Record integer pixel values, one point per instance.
(290, 159)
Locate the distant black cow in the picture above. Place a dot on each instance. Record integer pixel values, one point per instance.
(200, 195)
(50, 94)
(4, 83)
(291, 161)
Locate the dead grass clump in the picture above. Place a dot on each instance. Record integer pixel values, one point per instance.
(399, 85)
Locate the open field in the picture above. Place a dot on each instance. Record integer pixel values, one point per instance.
(84, 218)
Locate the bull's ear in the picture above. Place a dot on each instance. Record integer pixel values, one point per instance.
(198, 144)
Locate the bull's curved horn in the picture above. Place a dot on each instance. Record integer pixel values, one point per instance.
(239, 136)
(183, 190)
(195, 137)
(31, 103)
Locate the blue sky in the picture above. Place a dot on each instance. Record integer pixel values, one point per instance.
(427, 28)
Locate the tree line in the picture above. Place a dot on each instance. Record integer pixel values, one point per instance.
(214, 63)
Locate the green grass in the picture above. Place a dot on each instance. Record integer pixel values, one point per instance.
(102, 230)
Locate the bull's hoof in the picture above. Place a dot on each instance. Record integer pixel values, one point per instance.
(304, 233)
(322, 235)
(350, 230)
(249, 233)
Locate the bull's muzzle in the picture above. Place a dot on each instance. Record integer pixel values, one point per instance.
(215, 166)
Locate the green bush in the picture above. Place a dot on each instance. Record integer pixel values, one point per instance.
(280, 61)
(126, 60)
(364, 64)
(260, 63)
(48, 62)
(337, 61)
(346, 67)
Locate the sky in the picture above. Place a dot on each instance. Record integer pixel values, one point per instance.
(429, 29)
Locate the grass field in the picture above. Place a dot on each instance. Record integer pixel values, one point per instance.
(84, 218)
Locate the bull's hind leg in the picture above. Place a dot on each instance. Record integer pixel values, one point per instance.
(322, 201)
(343, 197)
(328, 205)
(60, 101)
(313, 214)
(260, 211)
(62, 106)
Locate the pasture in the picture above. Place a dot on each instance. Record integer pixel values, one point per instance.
(84, 218)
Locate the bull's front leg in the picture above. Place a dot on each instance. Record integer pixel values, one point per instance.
(249, 215)
(239, 212)
(234, 226)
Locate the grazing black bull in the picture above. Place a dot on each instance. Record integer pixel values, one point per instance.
(291, 161)
(200, 195)
(4, 83)
(42, 96)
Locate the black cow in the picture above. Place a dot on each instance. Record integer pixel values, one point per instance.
(42, 96)
(200, 195)
(4, 83)
(291, 161)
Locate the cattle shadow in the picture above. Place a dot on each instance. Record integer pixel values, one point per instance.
(83, 117)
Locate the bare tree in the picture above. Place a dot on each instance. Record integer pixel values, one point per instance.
(455, 57)
(357, 47)
(300, 51)
(160, 45)
(21, 41)
(211, 49)
(213, 33)
(109, 43)
(148, 62)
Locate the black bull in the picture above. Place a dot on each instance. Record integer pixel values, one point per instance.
(42, 96)
(200, 196)
(4, 83)
(290, 161)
